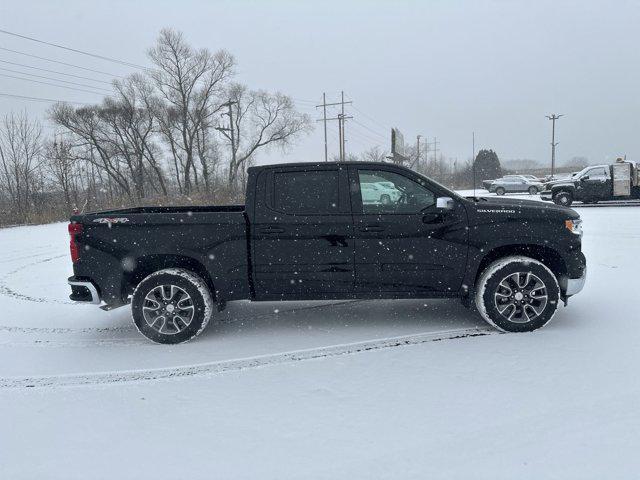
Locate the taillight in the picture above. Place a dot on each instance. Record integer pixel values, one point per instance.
(74, 229)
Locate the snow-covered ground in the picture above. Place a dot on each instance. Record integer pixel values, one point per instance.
(82, 395)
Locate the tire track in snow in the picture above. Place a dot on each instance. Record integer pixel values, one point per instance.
(131, 328)
(223, 366)
(6, 290)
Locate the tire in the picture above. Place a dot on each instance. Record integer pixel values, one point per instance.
(500, 191)
(385, 199)
(535, 298)
(564, 199)
(533, 190)
(159, 296)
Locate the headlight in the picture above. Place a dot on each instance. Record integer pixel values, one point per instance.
(574, 226)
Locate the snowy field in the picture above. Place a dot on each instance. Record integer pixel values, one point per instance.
(321, 389)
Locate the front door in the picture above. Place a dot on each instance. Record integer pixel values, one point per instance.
(403, 243)
(302, 235)
(596, 184)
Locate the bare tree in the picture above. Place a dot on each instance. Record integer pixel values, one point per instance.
(190, 84)
(119, 135)
(60, 166)
(92, 142)
(261, 120)
(374, 154)
(131, 123)
(20, 157)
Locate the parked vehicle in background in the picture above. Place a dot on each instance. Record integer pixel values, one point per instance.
(307, 233)
(533, 178)
(514, 184)
(379, 192)
(619, 181)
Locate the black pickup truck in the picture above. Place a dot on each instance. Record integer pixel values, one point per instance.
(598, 183)
(308, 232)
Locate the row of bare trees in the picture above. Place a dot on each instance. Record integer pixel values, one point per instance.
(182, 130)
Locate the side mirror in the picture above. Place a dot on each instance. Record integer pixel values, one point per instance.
(586, 177)
(444, 203)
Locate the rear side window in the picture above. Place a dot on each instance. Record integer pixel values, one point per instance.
(306, 192)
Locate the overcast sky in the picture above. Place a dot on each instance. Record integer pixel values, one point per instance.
(436, 68)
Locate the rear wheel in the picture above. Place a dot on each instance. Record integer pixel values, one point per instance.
(533, 190)
(563, 198)
(171, 306)
(385, 199)
(517, 294)
(500, 191)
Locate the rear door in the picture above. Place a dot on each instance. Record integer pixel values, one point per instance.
(302, 235)
(406, 246)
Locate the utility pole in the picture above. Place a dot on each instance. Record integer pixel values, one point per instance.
(418, 152)
(553, 117)
(341, 135)
(324, 119)
(473, 160)
(341, 120)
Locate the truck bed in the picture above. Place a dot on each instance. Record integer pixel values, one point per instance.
(120, 247)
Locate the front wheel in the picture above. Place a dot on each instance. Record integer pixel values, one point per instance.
(171, 306)
(517, 294)
(563, 198)
(385, 199)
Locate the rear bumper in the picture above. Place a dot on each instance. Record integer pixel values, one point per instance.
(83, 291)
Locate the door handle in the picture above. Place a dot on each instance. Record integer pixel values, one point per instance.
(272, 230)
(374, 227)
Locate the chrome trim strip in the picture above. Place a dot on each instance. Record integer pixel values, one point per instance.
(95, 298)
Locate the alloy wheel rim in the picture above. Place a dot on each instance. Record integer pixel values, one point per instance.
(168, 309)
(521, 297)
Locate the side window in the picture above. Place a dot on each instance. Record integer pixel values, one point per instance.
(310, 192)
(598, 173)
(390, 192)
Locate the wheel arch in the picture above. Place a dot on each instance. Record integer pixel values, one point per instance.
(544, 254)
(570, 189)
(145, 265)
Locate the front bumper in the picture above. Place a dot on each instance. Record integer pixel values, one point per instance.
(83, 291)
(575, 285)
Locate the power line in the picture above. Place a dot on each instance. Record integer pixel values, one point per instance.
(48, 83)
(56, 79)
(54, 71)
(385, 127)
(368, 136)
(377, 134)
(101, 57)
(61, 63)
(39, 99)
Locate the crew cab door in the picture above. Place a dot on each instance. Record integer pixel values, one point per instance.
(595, 184)
(407, 246)
(302, 245)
